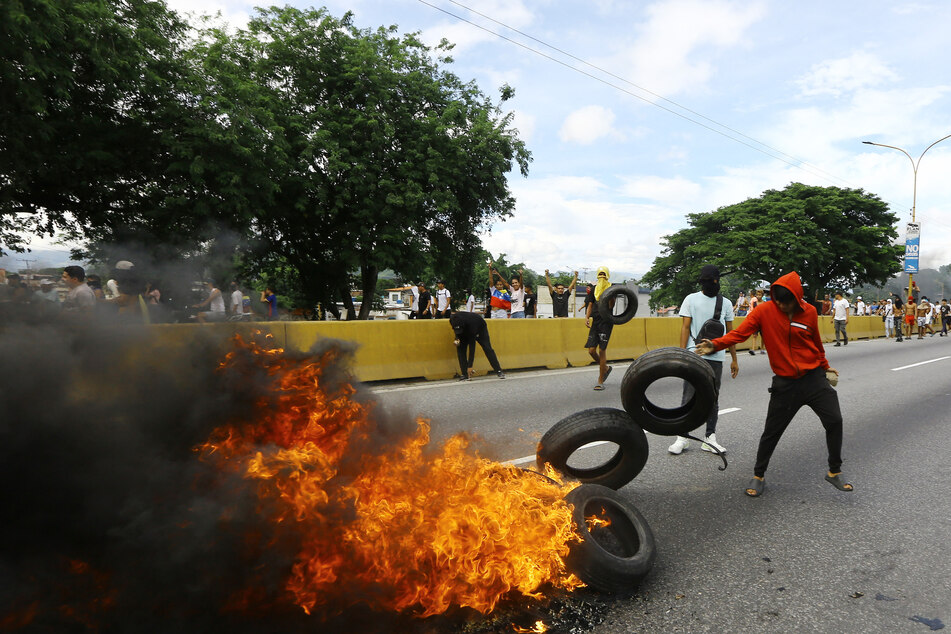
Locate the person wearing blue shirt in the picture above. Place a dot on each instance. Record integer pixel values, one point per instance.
(694, 311)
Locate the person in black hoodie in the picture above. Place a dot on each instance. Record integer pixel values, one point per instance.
(470, 328)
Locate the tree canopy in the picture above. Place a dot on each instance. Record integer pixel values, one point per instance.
(386, 159)
(301, 148)
(833, 237)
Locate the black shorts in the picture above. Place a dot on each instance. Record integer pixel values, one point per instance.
(599, 334)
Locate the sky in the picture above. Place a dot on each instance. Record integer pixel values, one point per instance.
(638, 113)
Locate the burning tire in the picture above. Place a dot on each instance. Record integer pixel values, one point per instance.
(614, 557)
(663, 363)
(607, 312)
(600, 424)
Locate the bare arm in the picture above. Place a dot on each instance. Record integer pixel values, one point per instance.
(685, 331)
(573, 281)
(548, 282)
(734, 365)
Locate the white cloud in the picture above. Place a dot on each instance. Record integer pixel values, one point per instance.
(671, 191)
(587, 125)
(676, 47)
(464, 35)
(234, 14)
(845, 75)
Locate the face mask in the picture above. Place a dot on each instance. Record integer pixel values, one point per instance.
(710, 288)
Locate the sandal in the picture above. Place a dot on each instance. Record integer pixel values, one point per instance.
(839, 483)
(757, 486)
(599, 387)
(607, 374)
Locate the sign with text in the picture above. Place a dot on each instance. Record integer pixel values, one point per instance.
(912, 235)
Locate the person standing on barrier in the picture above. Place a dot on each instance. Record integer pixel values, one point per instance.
(695, 311)
(560, 295)
(470, 328)
(500, 300)
(790, 330)
(599, 328)
(443, 309)
(425, 301)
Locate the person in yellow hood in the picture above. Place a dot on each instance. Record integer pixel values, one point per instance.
(599, 330)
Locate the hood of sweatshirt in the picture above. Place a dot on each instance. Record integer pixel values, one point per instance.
(791, 282)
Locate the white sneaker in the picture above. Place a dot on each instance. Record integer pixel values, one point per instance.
(679, 445)
(710, 443)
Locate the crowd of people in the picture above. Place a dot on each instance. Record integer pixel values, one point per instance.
(128, 297)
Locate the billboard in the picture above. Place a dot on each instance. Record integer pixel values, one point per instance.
(912, 235)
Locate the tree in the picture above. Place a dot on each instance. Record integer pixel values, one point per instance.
(84, 85)
(832, 237)
(387, 160)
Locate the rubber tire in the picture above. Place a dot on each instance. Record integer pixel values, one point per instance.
(669, 362)
(599, 568)
(604, 304)
(593, 425)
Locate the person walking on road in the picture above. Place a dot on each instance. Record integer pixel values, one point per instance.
(696, 309)
(790, 330)
(945, 312)
(840, 318)
(599, 328)
(910, 308)
(755, 300)
(470, 328)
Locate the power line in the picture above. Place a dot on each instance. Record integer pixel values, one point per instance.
(650, 92)
(773, 153)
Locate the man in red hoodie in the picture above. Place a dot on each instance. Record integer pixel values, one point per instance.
(790, 330)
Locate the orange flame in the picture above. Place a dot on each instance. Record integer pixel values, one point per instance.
(537, 629)
(416, 527)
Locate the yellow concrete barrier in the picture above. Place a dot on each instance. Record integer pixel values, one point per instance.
(396, 349)
(525, 343)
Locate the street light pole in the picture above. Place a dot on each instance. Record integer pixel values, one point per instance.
(914, 191)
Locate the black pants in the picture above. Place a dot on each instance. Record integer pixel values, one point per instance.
(717, 367)
(482, 336)
(787, 397)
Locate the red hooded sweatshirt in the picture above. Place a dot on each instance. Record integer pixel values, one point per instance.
(793, 345)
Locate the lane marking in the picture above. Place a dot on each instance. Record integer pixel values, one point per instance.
(915, 365)
(525, 459)
(490, 376)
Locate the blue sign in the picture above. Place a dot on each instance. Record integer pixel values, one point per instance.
(912, 236)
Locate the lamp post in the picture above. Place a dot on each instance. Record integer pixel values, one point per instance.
(914, 191)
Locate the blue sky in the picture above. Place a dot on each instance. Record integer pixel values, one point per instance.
(803, 83)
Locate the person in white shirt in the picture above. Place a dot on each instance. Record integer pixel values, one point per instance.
(888, 312)
(695, 310)
(840, 317)
(215, 303)
(237, 300)
(443, 309)
(859, 306)
(414, 307)
(470, 301)
(518, 297)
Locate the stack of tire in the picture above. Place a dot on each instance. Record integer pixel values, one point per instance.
(621, 568)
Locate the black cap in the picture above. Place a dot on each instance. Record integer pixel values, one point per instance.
(709, 272)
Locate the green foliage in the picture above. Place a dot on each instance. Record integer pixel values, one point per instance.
(386, 160)
(832, 237)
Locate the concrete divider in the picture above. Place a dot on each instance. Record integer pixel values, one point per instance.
(404, 349)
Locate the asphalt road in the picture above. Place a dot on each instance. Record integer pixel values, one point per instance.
(803, 558)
